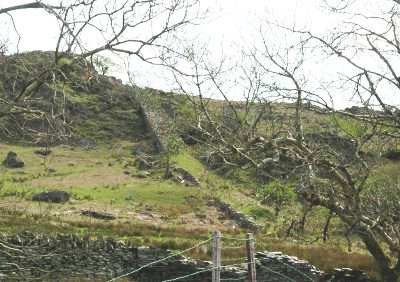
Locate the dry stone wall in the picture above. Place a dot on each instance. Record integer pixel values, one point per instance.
(235, 215)
(64, 257)
(154, 123)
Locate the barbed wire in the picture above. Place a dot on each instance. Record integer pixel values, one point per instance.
(160, 260)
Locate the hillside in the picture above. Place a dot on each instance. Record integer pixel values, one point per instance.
(132, 156)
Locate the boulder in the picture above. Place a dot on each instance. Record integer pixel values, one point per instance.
(185, 177)
(43, 152)
(87, 143)
(144, 164)
(13, 161)
(393, 155)
(55, 196)
(98, 215)
(143, 174)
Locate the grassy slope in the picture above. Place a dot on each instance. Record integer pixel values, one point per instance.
(151, 211)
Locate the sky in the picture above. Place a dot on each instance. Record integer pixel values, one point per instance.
(229, 21)
(229, 16)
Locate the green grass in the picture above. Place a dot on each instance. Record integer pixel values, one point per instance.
(96, 180)
(186, 160)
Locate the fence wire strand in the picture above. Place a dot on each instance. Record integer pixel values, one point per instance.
(189, 275)
(236, 239)
(234, 248)
(160, 260)
(295, 269)
(211, 269)
(280, 274)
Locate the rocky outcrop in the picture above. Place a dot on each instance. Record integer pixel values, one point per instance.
(357, 110)
(55, 196)
(235, 215)
(13, 161)
(329, 143)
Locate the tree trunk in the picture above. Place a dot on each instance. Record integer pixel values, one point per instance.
(387, 273)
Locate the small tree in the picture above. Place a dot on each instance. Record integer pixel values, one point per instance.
(173, 145)
(278, 194)
(104, 64)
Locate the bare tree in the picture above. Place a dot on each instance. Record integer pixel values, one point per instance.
(328, 167)
(86, 28)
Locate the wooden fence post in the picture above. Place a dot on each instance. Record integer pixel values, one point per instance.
(216, 257)
(251, 266)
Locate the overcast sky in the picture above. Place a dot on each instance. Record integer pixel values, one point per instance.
(231, 21)
(231, 18)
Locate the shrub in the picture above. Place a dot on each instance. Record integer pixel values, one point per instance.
(278, 194)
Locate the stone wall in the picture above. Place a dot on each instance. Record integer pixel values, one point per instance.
(185, 176)
(235, 215)
(153, 122)
(64, 257)
(67, 256)
(276, 267)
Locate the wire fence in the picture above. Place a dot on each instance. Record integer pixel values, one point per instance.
(245, 261)
(161, 260)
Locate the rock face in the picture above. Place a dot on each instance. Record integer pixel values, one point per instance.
(55, 196)
(13, 161)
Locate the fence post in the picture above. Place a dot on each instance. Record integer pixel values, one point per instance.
(216, 257)
(251, 266)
